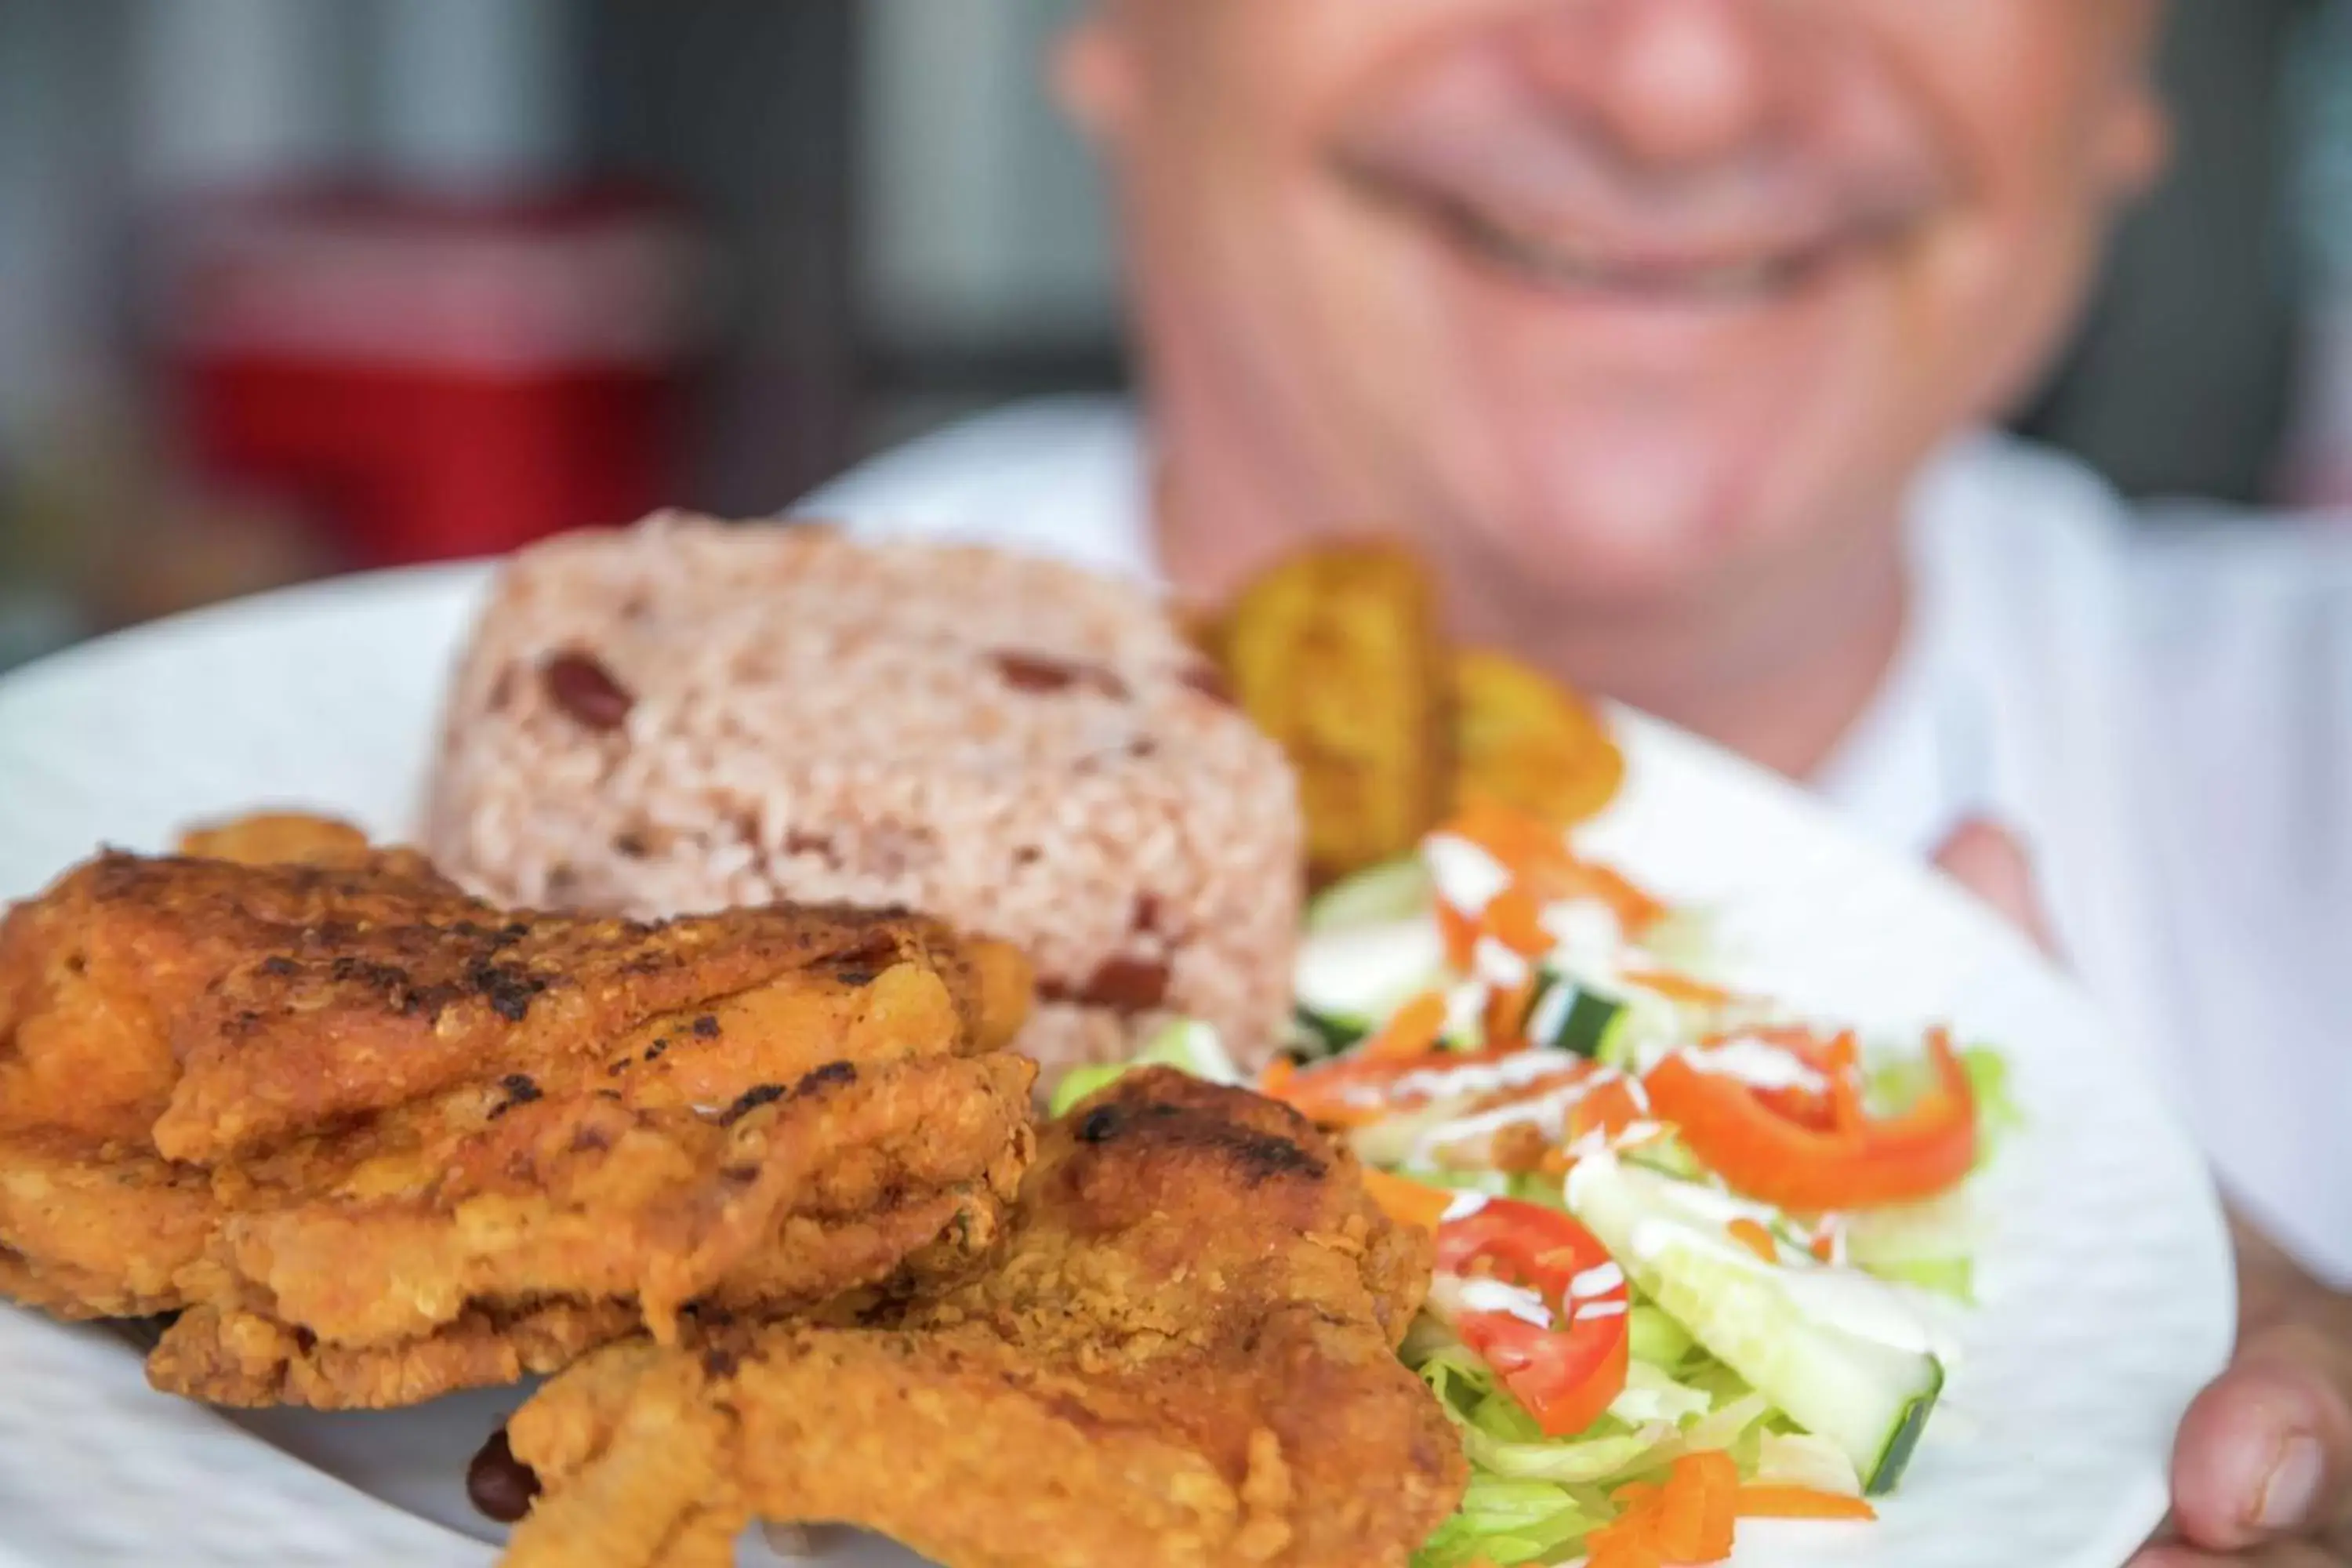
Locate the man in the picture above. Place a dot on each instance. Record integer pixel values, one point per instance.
(1663, 327)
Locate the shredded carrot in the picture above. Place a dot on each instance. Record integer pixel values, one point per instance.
(1824, 1247)
(1411, 1030)
(1696, 1511)
(1280, 1074)
(1507, 1016)
(1515, 919)
(1627, 1543)
(1521, 842)
(1844, 1052)
(1635, 910)
(1537, 856)
(1610, 1108)
(1689, 1518)
(1679, 988)
(1755, 1239)
(1692, 1516)
(1461, 934)
(1762, 1502)
(1408, 1203)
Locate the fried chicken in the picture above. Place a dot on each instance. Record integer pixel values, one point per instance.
(375, 1140)
(1181, 1354)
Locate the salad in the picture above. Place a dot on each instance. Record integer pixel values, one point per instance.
(1684, 1238)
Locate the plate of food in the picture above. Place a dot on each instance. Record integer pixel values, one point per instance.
(704, 1044)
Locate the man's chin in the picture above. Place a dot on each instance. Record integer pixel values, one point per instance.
(1632, 519)
(1604, 570)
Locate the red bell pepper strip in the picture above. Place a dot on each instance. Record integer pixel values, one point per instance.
(1853, 1161)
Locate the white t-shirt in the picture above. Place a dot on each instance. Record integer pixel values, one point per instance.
(2163, 713)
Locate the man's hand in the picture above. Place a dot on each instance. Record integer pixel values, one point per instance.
(2262, 1467)
(2261, 1471)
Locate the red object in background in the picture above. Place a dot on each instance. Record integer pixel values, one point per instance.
(434, 378)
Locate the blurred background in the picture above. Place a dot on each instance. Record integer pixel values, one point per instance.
(292, 286)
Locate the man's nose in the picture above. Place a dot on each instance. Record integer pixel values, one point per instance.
(1671, 83)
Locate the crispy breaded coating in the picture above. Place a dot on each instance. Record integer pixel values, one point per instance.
(279, 838)
(358, 1126)
(1183, 1356)
(223, 1356)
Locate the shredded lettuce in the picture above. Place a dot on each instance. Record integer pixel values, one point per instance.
(1532, 1499)
(1507, 1523)
(1930, 1245)
(1687, 939)
(1801, 1459)
(1998, 1113)
(1184, 1044)
(1656, 1339)
(1529, 1187)
(1668, 1156)
(1894, 1085)
(1504, 1442)
(1651, 1395)
(1953, 1277)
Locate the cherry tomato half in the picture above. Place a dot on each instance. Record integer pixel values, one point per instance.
(1564, 1371)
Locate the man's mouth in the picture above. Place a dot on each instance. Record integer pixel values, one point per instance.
(1710, 273)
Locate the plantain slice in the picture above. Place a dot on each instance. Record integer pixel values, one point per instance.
(1339, 655)
(1525, 741)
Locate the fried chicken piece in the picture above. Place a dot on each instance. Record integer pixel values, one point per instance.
(95, 972)
(1182, 1355)
(223, 1356)
(366, 1125)
(100, 1236)
(279, 838)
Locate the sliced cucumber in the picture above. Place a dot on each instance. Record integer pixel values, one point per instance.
(1569, 1015)
(1787, 1328)
(1669, 1155)
(1316, 1035)
(1393, 891)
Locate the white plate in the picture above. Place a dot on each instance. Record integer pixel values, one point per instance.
(2107, 1283)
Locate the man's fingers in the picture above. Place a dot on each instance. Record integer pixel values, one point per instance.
(2284, 1554)
(2265, 1451)
(1989, 862)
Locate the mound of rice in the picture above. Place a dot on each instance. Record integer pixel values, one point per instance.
(687, 715)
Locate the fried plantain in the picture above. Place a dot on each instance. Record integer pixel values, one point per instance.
(1525, 741)
(1339, 655)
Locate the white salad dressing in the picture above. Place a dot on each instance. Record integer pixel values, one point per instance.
(1465, 1205)
(1497, 965)
(1454, 1295)
(1596, 1281)
(1551, 1014)
(1759, 1064)
(1517, 1070)
(1546, 1112)
(1466, 1011)
(1465, 875)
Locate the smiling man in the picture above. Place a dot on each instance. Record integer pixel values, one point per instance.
(1669, 329)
